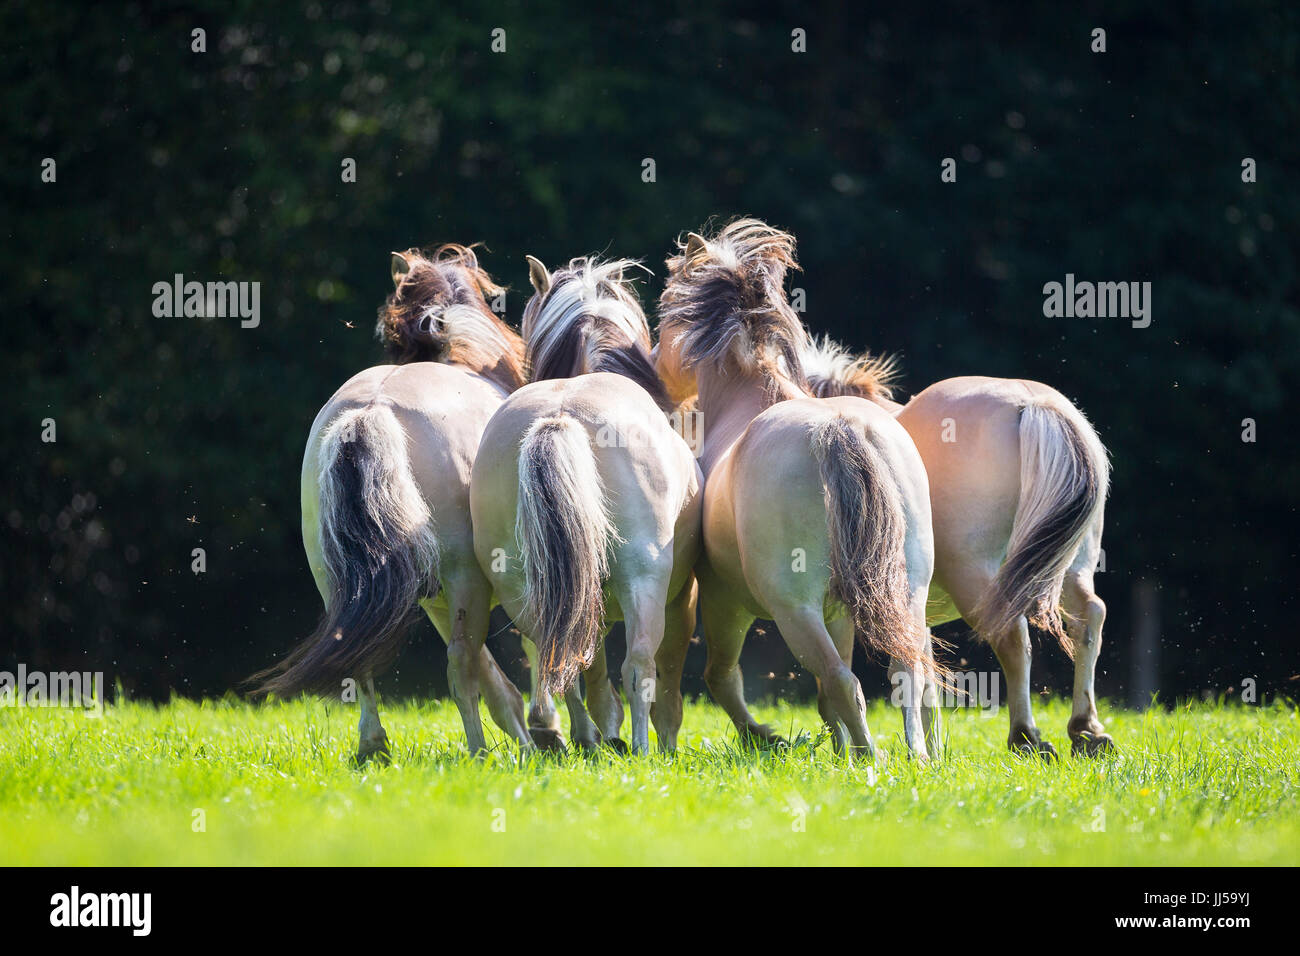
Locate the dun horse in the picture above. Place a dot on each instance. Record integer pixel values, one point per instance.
(1018, 482)
(816, 511)
(385, 498)
(586, 505)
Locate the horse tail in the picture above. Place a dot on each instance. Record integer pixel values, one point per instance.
(1064, 478)
(564, 532)
(379, 551)
(868, 534)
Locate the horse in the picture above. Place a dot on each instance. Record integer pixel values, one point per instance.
(385, 498)
(586, 505)
(816, 511)
(1018, 484)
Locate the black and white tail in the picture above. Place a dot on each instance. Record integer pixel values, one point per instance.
(565, 534)
(379, 550)
(1064, 477)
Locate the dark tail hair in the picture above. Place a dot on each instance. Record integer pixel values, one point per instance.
(1064, 478)
(868, 533)
(564, 533)
(379, 550)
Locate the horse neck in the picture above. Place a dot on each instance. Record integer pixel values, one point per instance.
(632, 361)
(728, 403)
(504, 371)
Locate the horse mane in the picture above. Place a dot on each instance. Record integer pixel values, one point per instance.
(725, 303)
(832, 370)
(589, 320)
(438, 313)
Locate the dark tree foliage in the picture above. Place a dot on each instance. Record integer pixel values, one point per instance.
(183, 433)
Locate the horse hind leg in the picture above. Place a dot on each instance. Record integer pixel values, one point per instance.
(505, 701)
(806, 635)
(909, 688)
(643, 619)
(931, 709)
(463, 675)
(1015, 655)
(841, 631)
(582, 729)
(679, 628)
(543, 717)
(725, 627)
(1085, 613)
(373, 737)
(603, 703)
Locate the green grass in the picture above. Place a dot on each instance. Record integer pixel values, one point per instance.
(1204, 784)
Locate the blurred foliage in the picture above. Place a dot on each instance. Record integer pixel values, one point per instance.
(225, 165)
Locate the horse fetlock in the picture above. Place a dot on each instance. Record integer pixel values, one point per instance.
(543, 719)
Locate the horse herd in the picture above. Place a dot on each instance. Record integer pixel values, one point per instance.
(548, 472)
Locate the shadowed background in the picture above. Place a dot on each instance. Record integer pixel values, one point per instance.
(225, 166)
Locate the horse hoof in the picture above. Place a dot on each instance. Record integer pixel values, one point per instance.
(1028, 744)
(761, 737)
(617, 744)
(378, 751)
(551, 741)
(1092, 745)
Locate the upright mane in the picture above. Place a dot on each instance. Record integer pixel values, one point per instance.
(725, 305)
(589, 320)
(832, 370)
(437, 313)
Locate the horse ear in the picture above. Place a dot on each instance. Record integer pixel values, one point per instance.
(695, 244)
(538, 276)
(399, 265)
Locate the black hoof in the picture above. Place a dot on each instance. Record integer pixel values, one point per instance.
(1028, 745)
(1092, 745)
(617, 744)
(551, 741)
(763, 739)
(377, 752)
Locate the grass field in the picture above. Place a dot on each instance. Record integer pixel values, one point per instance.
(276, 785)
